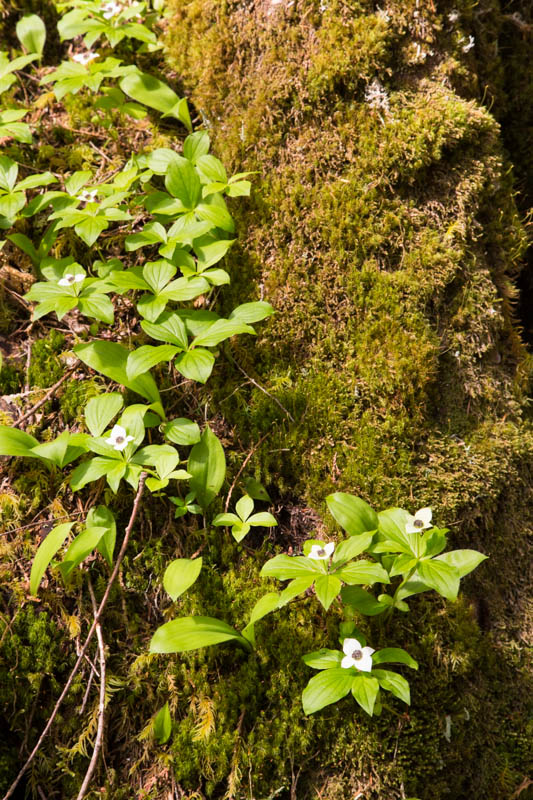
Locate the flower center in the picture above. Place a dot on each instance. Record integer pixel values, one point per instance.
(418, 523)
(119, 439)
(71, 278)
(321, 551)
(357, 655)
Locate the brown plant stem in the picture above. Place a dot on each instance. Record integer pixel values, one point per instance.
(101, 706)
(90, 635)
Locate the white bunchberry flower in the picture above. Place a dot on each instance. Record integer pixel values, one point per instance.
(87, 196)
(111, 9)
(119, 438)
(355, 655)
(84, 58)
(321, 552)
(69, 279)
(420, 521)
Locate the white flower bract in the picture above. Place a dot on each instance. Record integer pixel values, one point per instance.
(69, 279)
(321, 552)
(84, 58)
(111, 9)
(420, 521)
(87, 196)
(355, 655)
(119, 438)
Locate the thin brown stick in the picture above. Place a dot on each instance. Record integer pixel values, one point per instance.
(241, 470)
(101, 706)
(90, 635)
(47, 396)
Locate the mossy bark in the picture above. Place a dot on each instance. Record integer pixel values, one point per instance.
(384, 230)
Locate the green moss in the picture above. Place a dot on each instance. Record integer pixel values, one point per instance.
(45, 366)
(385, 233)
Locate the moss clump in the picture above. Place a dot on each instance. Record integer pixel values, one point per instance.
(45, 366)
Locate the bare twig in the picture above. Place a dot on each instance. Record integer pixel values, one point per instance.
(90, 635)
(243, 467)
(101, 706)
(47, 396)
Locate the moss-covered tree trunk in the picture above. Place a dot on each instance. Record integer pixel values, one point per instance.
(384, 230)
(385, 227)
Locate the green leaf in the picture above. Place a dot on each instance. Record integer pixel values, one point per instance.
(196, 145)
(31, 33)
(45, 553)
(144, 358)
(16, 443)
(219, 331)
(365, 689)
(323, 659)
(392, 526)
(256, 490)
(115, 474)
(265, 605)
(209, 252)
(162, 725)
(327, 587)
(196, 365)
(81, 547)
(158, 273)
(150, 91)
(97, 306)
(439, 576)
(102, 517)
(225, 519)
(180, 574)
(352, 513)
(463, 561)
(182, 431)
(393, 683)
(244, 507)
(252, 312)
(100, 410)
(89, 471)
(169, 328)
(110, 358)
(294, 588)
(263, 519)
(211, 169)
(191, 633)
(182, 181)
(325, 688)
(286, 567)
(350, 548)
(90, 229)
(364, 572)
(207, 465)
(239, 530)
(56, 450)
(393, 655)
(159, 161)
(362, 601)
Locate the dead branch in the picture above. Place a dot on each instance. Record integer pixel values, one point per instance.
(47, 396)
